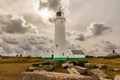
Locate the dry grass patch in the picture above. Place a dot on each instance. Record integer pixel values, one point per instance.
(12, 71)
(109, 62)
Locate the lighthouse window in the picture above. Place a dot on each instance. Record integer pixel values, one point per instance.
(62, 54)
(58, 14)
(56, 45)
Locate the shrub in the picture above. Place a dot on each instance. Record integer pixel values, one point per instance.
(89, 56)
(79, 63)
(35, 65)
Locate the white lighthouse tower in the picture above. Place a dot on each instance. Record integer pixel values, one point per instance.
(60, 38)
(60, 51)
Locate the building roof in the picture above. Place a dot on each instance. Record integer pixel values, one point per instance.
(78, 52)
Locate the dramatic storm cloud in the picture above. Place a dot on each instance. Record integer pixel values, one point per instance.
(10, 40)
(94, 30)
(15, 24)
(108, 46)
(104, 48)
(24, 44)
(27, 26)
(51, 4)
(81, 37)
(47, 8)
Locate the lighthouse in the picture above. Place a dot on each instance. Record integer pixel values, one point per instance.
(60, 38)
(60, 51)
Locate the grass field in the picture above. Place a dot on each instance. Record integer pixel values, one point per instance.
(109, 62)
(10, 69)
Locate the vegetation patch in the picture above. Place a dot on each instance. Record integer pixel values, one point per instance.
(10, 69)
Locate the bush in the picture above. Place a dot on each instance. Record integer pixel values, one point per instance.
(89, 56)
(21, 60)
(35, 65)
(79, 63)
(48, 62)
(110, 57)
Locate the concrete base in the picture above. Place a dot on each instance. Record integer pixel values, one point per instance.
(60, 58)
(64, 58)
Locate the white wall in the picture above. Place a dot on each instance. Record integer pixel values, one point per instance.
(60, 37)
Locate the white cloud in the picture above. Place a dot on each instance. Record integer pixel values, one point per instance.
(104, 48)
(96, 29)
(108, 46)
(15, 24)
(28, 44)
(81, 37)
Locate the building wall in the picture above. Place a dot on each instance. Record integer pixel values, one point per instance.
(77, 56)
(47, 53)
(72, 56)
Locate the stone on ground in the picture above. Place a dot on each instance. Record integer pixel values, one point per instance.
(72, 70)
(113, 69)
(87, 65)
(43, 75)
(99, 73)
(95, 77)
(48, 67)
(117, 77)
(30, 69)
(66, 65)
(98, 65)
(81, 70)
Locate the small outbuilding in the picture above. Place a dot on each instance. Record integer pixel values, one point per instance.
(76, 55)
(70, 55)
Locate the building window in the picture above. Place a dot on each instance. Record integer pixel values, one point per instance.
(62, 54)
(58, 13)
(47, 50)
(62, 21)
(56, 45)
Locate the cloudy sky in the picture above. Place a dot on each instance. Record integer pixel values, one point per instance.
(27, 27)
